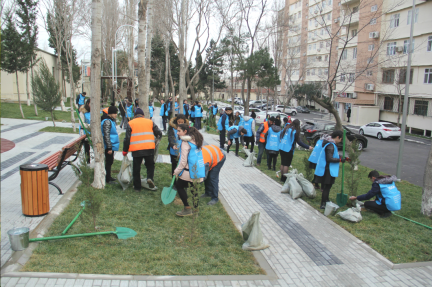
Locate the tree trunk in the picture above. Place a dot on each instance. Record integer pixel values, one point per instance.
(19, 98)
(399, 110)
(182, 52)
(144, 105)
(171, 79)
(142, 18)
(191, 87)
(268, 92)
(52, 117)
(242, 95)
(249, 87)
(60, 80)
(426, 207)
(331, 110)
(95, 123)
(27, 88)
(232, 88)
(167, 57)
(71, 83)
(34, 103)
(132, 14)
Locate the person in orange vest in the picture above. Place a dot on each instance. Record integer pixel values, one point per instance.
(214, 159)
(260, 138)
(140, 140)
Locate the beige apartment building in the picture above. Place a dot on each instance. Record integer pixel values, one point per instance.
(362, 45)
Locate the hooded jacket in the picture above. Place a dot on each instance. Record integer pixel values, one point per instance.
(246, 118)
(183, 164)
(107, 130)
(376, 190)
(275, 129)
(139, 153)
(171, 136)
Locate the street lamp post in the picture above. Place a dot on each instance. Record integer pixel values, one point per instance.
(82, 72)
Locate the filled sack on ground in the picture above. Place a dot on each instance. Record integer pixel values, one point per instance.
(252, 234)
(124, 177)
(156, 151)
(307, 186)
(351, 214)
(330, 208)
(294, 188)
(250, 160)
(292, 172)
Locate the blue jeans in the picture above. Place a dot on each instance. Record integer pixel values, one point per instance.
(212, 181)
(261, 148)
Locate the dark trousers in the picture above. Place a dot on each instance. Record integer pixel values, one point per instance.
(173, 163)
(326, 192)
(182, 186)
(373, 206)
(222, 134)
(236, 145)
(109, 160)
(272, 157)
(124, 121)
(164, 122)
(192, 120)
(87, 151)
(261, 148)
(251, 141)
(198, 123)
(150, 166)
(212, 181)
(349, 118)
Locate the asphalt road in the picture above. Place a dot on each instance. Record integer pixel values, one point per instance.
(382, 155)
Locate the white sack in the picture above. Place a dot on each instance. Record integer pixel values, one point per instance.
(124, 177)
(351, 214)
(285, 188)
(330, 208)
(250, 160)
(252, 234)
(307, 186)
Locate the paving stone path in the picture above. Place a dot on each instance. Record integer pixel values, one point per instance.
(306, 248)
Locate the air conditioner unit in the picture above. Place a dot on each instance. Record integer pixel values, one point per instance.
(374, 35)
(318, 58)
(336, 20)
(399, 49)
(354, 96)
(318, 50)
(313, 38)
(369, 87)
(316, 11)
(304, 54)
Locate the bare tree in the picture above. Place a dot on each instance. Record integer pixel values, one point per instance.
(144, 104)
(142, 19)
(426, 207)
(98, 145)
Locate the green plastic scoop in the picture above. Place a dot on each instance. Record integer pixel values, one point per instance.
(168, 193)
(121, 232)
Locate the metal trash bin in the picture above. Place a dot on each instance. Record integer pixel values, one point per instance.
(34, 189)
(19, 238)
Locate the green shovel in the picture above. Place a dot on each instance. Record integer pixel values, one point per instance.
(76, 217)
(168, 193)
(121, 232)
(341, 198)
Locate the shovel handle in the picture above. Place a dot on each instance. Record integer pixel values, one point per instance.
(343, 154)
(73, 221)
(71, 236)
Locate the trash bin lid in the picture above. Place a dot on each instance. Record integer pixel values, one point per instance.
(33, 167)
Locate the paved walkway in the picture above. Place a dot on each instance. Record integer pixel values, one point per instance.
(306, 248)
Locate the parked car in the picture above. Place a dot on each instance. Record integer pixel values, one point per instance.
(310, 128)
(261, 116)
(258, 104)
(381, 130)
(301, 109)
(289, 110)
(257, 111)
(351, 136)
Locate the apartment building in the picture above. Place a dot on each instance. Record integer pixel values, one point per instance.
(344, 44)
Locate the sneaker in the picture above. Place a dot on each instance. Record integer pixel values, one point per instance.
(385, 215)
(113, 179)
(204, 195)
(150, 183)
(185, 212)
(213, 201)
(112, 182)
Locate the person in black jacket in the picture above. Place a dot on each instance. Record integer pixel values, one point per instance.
(349, 114)
(327, 180)
(111, 140)
(122, 109)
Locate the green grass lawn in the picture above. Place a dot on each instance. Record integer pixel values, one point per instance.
(59, 130)
(11, 110)
(398, 240)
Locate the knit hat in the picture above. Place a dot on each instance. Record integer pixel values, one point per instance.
(273, 119)
(139, 111)
(112, 110)
(228, 109)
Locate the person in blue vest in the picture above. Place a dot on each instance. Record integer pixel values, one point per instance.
(192, 115)
(388, 197)
(223, 125)
(110, 139)
(85, 119)
(290, 136)
(151, 110)
(191, 167)
(214, 109)
(177, 108)
(164, 114)
(174, 141)
(249, 125)
(129, 110)
(186, 108)
(272, 141)
(313, 158)
(327, 168)
(235, 133)
(80, 100)
(198, 112)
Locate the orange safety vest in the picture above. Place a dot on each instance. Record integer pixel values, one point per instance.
(266, 127)
(105, 111)
(212, 155)
(142, 136)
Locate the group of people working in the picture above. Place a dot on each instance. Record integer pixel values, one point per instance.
(194, 112)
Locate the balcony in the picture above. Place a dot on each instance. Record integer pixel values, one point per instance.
(349, 2)
(349, 19)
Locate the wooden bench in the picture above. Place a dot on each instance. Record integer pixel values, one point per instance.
(57, 161)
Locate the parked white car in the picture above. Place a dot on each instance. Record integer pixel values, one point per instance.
(381, 130)
(261, 116)
(289, 110)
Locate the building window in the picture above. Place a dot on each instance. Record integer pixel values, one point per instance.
(326, 58)
(329, 2)
(354, 33)
(388, 103)
(388, 77)
(328, 16)
(344, 55)
(371, 47)
(391, 48)
(355, 9)
(321, 45)
(328, 44)
(342, 77)
(355, 53)
(428, 76)
(351, 77)
(406, 44)
(402, 76)
(420, 108)
(309, 47)
(409, 16)
(369, 73)
(369, 60)
(313, 72)
(374, 8)
(394, 20)
(429, 44)
(373, 21)
(314, 46)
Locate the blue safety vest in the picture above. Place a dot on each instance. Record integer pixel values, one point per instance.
(129, 111)
(195, 162)
(178, 144)
(81, 100)
(86, 120)
(236, 135)
(287, 141)
(248, 126)
(161, 110)
(221, 126)
(176, 106)
(184, 109)
(151, 109)
(316, 152)
(273, 140)
(114, 137)
(198, 113)
(169, 107)
(192, 114)
(241, 122)
(392, 196)
(321, 164)
(215, 110)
